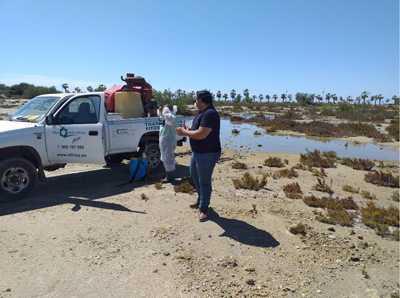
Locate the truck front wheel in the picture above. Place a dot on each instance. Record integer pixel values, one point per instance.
(18, 177)
(153, 154)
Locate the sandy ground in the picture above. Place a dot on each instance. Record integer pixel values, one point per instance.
(83, 235)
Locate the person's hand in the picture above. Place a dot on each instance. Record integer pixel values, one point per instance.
(180, 131)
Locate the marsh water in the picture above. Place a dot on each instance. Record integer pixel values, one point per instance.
(246, 140)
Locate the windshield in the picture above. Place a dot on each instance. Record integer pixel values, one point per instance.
(35, 109)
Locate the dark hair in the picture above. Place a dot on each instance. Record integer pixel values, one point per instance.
(204, 95)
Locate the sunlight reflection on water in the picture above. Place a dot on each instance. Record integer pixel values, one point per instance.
(247, 141)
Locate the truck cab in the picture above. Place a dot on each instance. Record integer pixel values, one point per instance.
(52, 130)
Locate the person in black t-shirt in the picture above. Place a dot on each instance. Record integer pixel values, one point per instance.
(206, 149)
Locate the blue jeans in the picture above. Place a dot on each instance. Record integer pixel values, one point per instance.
(201, 169)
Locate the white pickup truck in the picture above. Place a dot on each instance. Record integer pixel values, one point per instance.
(52, 130)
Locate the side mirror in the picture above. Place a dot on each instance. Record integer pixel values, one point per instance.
(49, 119)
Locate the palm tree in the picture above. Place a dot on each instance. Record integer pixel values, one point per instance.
(274, 97)
(219, 95)
(260, 97)
(334, 98)
(312, 96)
(233, 94)
(238, 98)
(349, 99)
(89, 88)
(179, 92)
(283, 96)
(380, 97)
(374, 98)
(290, 97)
(225, 96)
(246, 93)
(395, 99)
(101, 87)
(364, 96)
(254, 98)
(319, 98)
(78, 90)
(358, 99)
(328, 97)
(267, 97)
(65, 86)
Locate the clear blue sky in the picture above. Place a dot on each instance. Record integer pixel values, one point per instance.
(268, 46)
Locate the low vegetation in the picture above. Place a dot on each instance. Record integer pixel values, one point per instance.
(186, 185)
(319, 173)
(358, 163)
(331, 203)
(382, 179)
(239, 165)
(367, 195)
(395, 196)
(338, 217)
(293, 190)
(322, 186)
(393, 130)
(285, 173)
(274, 162)
(249, 182)
(350, 188)
(380, 219)
(326, 159)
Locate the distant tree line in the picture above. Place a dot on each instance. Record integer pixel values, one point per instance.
(25, 90)
(181, 97)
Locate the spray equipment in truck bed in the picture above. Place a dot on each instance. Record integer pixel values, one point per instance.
(133, 84)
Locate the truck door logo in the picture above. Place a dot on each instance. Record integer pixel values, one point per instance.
(64, 133)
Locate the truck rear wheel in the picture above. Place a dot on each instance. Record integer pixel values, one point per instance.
(18, 177)
(153, 154)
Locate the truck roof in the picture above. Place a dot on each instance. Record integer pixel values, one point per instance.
(56, 94)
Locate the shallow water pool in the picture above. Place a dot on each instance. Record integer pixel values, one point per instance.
(247, 141)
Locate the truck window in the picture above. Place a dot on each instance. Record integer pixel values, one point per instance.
(80, 110)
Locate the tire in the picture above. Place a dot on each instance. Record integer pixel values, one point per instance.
(153, 154)
(18, 178)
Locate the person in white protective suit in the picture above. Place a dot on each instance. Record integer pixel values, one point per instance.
(168, 139)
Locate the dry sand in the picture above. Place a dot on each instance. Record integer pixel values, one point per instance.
(82, 235)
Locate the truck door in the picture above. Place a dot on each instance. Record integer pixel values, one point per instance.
(76, 135)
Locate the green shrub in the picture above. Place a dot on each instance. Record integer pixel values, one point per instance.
(340, 217)
(330, 203)
(350, 188)
(393, 130)
(274, 162)
(249, 182)
(380, 219)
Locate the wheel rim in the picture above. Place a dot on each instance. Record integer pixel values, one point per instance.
(153, 157)
(14, 180)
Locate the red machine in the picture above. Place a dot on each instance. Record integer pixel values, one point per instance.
(135, 84)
